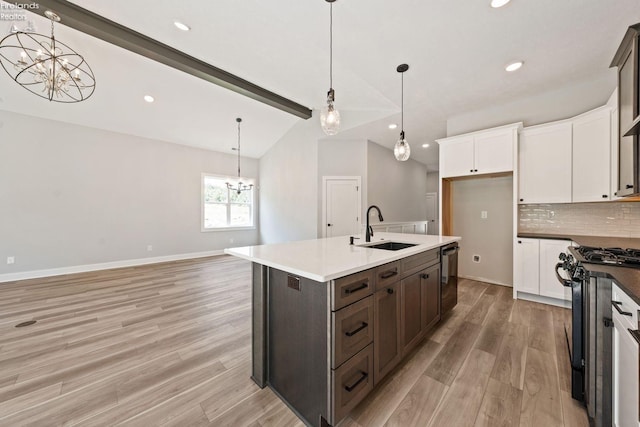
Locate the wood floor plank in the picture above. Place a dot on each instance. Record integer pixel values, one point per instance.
(512, 356)
(541, 400)
(463, 399)
(500, 406)
(445, 366)
(562, 351)
(541, 329)
(260, 402)
(419, 405)
(573, 412)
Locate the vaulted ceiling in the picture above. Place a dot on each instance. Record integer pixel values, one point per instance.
(457, 51)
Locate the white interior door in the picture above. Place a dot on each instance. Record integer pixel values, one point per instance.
(432, 213)
(341, 206)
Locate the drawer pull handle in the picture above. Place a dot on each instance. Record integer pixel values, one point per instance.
(356, 289)
(363, 377)
(424, 276)
(388, 274)
(635, 334)
(390, 291)
(352, 333)
(616, 305)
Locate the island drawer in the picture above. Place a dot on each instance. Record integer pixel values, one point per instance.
(387, 274)
(349, 289)
(352, 330)
(351, 383)
(417, 262)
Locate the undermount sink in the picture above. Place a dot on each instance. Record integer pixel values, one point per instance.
(392, 246)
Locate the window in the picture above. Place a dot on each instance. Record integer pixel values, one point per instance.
(224, 209)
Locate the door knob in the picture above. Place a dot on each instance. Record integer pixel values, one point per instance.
(329, 225)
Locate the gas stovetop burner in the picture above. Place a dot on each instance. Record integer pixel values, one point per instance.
(614, 256)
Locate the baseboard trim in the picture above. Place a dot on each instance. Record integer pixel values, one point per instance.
(35, 274)
(485, 280)
(544, 300)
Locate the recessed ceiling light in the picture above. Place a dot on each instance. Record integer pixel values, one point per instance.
(149, 98)
(499, 3)
(181, 26)
(393, 126)
(425, 145)
(514, 66)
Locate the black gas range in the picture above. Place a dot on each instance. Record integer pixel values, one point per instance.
(591, 337)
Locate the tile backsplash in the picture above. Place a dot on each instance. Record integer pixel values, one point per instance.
(616, 219)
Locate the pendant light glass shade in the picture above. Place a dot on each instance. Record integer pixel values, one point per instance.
(402, 149)
(329, 115)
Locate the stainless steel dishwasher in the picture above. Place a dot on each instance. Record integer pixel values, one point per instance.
(449, 276)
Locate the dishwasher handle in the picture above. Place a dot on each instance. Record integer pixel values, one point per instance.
(450, 251)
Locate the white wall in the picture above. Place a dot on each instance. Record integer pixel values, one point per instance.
(491, 238)
(398, 188)
(541, 108)
(73, 195)
(342, 158)
(289, 185)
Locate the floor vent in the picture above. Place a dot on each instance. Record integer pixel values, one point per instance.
(27, 323)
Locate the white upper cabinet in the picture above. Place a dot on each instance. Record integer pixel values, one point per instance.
(591, 156)
(457, 157)
(545, 164)
(483, 152)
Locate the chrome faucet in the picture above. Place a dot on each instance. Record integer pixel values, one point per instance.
(369, 232)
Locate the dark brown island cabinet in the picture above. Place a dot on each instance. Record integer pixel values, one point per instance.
(322, 347)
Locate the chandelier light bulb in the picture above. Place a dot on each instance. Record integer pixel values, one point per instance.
(330, 119)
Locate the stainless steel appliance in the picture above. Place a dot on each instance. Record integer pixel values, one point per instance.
(449, 277)
(591, 339)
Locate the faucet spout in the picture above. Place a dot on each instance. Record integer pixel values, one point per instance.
(369, 229)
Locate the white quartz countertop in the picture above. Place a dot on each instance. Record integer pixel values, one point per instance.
(327, 259)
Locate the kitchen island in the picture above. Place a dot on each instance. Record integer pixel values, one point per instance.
(331, 319)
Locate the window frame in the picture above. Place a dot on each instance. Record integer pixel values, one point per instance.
(228, 204)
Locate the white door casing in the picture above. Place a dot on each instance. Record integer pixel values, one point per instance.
(341, 205)
(432, 213)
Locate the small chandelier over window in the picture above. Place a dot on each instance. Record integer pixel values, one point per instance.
(240, 187)
(402, 150)
(45, 66)
(329, 115)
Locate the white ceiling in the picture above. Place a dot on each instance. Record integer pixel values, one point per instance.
(457, 51)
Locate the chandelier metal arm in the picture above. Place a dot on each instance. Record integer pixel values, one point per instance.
(100, 27)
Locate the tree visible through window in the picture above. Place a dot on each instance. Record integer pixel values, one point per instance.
(223, 208)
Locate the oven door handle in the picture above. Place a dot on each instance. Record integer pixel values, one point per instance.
(563, 281)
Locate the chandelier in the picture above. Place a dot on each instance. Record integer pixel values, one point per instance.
(240, 187)
(45, 66)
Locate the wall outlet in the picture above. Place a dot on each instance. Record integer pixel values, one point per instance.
(483, 214)
(476, 258)
(11, 260)
(149, 248)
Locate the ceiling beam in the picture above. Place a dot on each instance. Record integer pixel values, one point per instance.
(90, 23)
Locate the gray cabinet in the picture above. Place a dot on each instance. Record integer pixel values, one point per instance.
(431, 306)
(411, 323)
(387, 349)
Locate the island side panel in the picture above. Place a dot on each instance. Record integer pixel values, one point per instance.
(298, 344)
(259, 324)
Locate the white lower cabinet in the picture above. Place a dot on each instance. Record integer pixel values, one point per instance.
(535, 267)
(625, 361)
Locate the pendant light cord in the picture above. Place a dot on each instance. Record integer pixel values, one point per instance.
(238, 150)
(402, 102)
(331, 45)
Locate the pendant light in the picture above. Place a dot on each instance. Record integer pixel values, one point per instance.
(45, 66)
(402, 150)
(240, 187)
(329, 116)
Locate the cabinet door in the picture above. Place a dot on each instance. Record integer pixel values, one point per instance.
(431, 298)
(456, 157)
(386, 341)
(545, 164)
(411, 311)
(494, 151)
(625, 375)
(527, 267)
(550, 250)
(591, 161)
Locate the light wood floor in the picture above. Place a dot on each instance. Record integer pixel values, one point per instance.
(169, 345)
